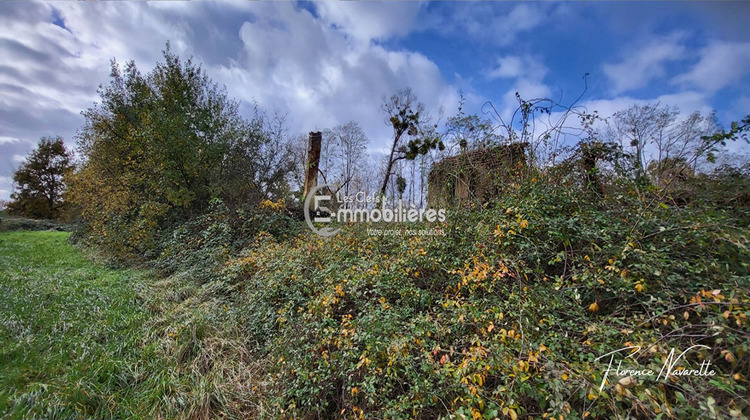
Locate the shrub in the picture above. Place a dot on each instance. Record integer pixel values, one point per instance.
(505, 314)
(199, 247)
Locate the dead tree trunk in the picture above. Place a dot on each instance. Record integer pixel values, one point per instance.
(313, 161)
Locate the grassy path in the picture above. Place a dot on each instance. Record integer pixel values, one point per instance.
(73, 335)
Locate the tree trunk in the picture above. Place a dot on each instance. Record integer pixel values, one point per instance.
(396, 138)
(313, 161)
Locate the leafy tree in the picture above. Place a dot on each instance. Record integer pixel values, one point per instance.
(737, 131)
(39, 182)
(159, 147)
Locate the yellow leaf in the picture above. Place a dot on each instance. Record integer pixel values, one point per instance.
(564, 377)
(594, 307)
(639, 287)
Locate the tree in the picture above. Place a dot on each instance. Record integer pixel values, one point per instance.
(640, 126)
(710, 142)
(345, 149)
(39, 182)
(407, 117)
(467, 131)
(656, 139)
(159, 147)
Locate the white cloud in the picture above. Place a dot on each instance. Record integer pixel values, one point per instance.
(5, 139)
(527, 73)
(497, 23)
(514, 66)
(366, 21)
(323, 75)
(644, 63)
(687, 102)
(720, 64)
(507, 67)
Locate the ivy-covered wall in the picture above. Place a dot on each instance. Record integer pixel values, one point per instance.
(476, 175)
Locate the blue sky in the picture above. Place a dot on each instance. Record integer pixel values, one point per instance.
(323, 63)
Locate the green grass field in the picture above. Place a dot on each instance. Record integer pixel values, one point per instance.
(73, 335)
(81, 340)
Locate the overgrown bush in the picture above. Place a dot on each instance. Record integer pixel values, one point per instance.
(199, 247)
(505, 314)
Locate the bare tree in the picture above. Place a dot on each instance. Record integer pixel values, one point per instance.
(298, 151)
(639, 127)
(465, 131)
(350, 143)
(656, 138)
(274, 158)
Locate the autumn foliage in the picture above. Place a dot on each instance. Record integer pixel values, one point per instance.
(158, 148)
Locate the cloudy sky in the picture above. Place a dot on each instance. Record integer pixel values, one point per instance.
(330, 62)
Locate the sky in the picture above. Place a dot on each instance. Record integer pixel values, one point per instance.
(325, 63)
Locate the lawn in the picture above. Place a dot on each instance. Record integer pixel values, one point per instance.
(74, 340)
